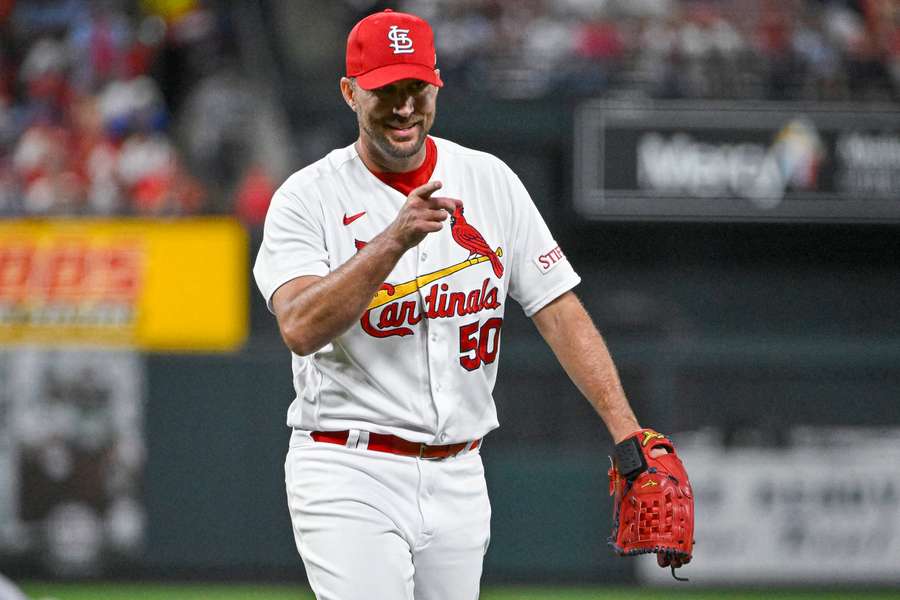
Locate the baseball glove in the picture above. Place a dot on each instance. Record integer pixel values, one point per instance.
(653, 508)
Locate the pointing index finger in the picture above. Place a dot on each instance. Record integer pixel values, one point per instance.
(425, 191)
(448, 204)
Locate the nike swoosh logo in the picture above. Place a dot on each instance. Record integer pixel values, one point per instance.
(351, 218)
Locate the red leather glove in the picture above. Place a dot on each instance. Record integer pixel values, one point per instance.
(653, 509)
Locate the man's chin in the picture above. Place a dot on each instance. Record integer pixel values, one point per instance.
(404, 148)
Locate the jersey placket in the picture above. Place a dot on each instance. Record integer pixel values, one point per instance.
(434, 337)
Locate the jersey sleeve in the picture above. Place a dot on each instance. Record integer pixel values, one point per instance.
(540, 271)
(293, 244)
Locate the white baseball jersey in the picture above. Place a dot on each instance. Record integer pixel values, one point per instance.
(422, 361)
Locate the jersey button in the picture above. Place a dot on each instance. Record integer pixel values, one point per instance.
(437, 387)
(443, 437)
(424, 256)
(434, 337)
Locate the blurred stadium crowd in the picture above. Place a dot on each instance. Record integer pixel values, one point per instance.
(721, 49)
(112, 107)
(124, 108)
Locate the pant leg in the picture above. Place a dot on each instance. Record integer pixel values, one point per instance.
(360, 557)
(348, 525)
(456, 515)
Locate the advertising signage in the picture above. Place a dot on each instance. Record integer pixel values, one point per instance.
(733, 161)
(161, 286)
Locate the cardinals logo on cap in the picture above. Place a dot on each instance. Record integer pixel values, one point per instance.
(400, 40)
(409, 53)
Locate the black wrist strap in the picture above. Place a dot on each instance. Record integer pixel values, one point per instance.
(630, 460)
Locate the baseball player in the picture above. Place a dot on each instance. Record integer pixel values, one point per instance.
(388, 265)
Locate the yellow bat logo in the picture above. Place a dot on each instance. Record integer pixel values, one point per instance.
(400, 290)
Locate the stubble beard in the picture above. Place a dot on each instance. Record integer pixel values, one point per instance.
(387, 147)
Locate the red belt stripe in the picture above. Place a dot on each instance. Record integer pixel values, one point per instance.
(392, 444)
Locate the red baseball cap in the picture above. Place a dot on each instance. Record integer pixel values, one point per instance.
(390, 46)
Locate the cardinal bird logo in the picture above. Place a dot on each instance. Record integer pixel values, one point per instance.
(468, 237)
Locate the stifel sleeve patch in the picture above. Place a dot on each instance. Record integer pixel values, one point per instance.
(547, 261)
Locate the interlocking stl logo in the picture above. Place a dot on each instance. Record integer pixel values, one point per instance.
(400, 41)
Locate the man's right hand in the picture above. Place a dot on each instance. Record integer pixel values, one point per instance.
(422, 214)
(312, 311)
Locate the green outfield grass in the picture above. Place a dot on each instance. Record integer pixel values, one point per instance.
(41, 591)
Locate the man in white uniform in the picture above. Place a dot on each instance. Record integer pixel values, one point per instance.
(389, 264)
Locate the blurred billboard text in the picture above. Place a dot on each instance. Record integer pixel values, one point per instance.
(756, 161)
(133, 283)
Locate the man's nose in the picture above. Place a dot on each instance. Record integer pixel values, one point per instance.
(404, 107)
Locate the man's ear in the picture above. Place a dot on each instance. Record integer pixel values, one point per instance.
(348, 91)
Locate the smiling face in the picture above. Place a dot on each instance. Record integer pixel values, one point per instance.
(393, 121)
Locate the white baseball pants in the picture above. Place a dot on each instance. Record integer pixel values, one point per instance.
(376, 526)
